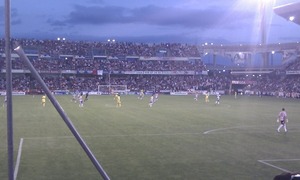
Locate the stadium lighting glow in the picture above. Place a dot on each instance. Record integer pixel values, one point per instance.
(64, 39)
(291, 18)
(108, 40)
(17, 48)
(58, 39)
(211, 43)
(273, 52)
(205, 44)
(265, 1)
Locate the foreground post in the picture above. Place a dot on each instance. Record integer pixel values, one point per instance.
(9, 112)
(62, 113)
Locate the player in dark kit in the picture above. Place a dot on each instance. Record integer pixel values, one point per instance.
(86, 96)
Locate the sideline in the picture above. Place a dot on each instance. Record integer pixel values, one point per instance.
(277, 160)
(18, 159)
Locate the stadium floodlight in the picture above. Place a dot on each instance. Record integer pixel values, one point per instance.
(291, 18)
(61, 112)
(58, 38)
(273, 52)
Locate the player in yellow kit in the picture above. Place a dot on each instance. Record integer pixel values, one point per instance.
(43, 100)
(119, 101)
(206, 97)
(116, 96)
(141, 95)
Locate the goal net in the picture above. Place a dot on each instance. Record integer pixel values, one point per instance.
(112, 89)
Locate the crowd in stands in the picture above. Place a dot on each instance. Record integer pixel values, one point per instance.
(133, 82)
(173, 83)
(113, 49)
(273, 84)
(58, 81)
(107, 65)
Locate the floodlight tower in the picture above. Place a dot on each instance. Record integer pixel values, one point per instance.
(263, 31)
(263, 21)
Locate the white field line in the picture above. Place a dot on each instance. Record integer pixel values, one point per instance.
(158, 134)
(277, 160)
(119, 135)
(18, 159)
(236, 127)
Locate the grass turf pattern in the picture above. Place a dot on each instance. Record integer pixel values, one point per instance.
(178, 138)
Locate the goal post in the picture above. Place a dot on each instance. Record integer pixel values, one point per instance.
(112, 89)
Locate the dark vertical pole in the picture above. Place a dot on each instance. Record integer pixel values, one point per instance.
(62, 113)
(272, 56)
(10, 146)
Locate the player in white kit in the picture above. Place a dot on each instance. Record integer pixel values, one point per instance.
(282, 117)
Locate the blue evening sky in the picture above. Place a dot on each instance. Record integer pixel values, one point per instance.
(151, 21)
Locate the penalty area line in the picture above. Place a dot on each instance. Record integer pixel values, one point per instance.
(271, 165)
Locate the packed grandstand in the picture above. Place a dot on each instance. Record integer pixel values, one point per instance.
(72, 66)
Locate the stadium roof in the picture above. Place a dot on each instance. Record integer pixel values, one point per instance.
(289, 10)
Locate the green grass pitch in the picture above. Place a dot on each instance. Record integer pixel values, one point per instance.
(178, 138)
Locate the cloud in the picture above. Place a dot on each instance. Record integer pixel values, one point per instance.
(150, 15)
(95, 1)
(14, 16)
(16, 22)
(56, 23)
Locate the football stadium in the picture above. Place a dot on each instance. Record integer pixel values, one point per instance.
(145, 111)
